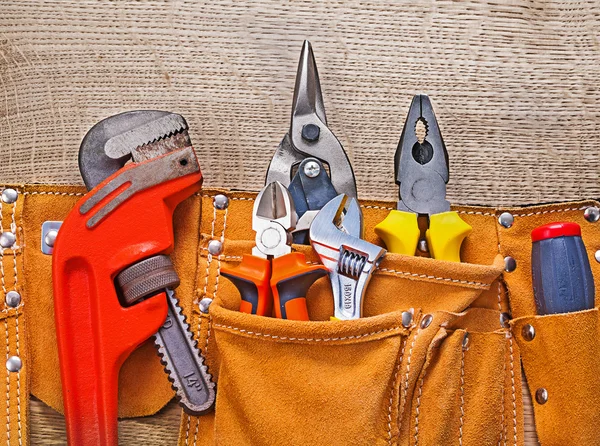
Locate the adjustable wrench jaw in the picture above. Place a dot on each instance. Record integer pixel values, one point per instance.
(350, 260)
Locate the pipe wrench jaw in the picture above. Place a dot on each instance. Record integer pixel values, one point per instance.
(336, 237)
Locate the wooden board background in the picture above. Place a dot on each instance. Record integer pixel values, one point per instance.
(514, 84)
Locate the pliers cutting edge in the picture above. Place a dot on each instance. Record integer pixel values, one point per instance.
(421, 170)
(274, 276)
(309, 145)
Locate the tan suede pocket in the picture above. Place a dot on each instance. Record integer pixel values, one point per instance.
(463, 395)
(344, 382)
(564, 359)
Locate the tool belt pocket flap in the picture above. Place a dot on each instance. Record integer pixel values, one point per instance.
(560, 356)
(301, 382)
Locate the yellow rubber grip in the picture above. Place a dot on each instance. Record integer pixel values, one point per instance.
(445, 235)
(400, 232)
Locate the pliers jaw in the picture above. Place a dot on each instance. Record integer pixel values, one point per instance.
(273, 219)
(421, 168)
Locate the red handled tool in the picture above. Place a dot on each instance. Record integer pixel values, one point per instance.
(111, 278)
(274, 275)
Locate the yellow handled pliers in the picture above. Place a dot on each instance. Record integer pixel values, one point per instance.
(421, 171)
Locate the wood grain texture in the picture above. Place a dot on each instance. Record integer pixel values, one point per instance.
(514, 85)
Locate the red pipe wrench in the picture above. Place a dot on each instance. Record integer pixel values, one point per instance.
(124, 219)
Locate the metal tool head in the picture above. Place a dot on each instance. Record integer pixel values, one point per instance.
(310, 189)
(273, 219)
(309, 135)
(335, 235)
(421, 167)
(135, 135)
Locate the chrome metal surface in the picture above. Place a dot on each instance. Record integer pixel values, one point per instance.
(303, 140)
(592, 214)
(9, 196)
(506, 219)
(221, 202)
(7, 239)
(273, 217)
(510, 264)
(426, 321)
(528, 332)
(466, 341)
(505, 320)
(13, 299)
(312, 169)
(335, 235)
(205, 304)
(541, 395)
(215, 247)
(48, 235)
(597, 256)
(14, 364)
(407, 318)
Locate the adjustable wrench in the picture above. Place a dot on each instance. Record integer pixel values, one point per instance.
(111, 273)
(336, 236)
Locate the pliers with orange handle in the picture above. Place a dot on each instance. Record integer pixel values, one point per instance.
(421, 170)
(274, 277)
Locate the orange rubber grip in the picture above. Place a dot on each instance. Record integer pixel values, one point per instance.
(290, 281)
(251, 278)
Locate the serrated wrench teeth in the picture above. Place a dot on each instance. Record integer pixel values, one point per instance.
(183, 362)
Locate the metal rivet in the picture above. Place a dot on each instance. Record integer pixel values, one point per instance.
(13, 299)
(528, 332)
(422, 246)
(592, 214)
(407, 318)
(466, 341)
(14, 364)
(7, 239)
(50, 237)
(510, 264)
(312, 169)
(505, 320)
(215, 247)
(204, 304)
(541, 395)
(220, 202)
(506, 219)
(426, 321)
(597, 256)
(311, 132)
(9, 195)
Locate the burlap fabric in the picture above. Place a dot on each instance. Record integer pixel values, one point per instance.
(513, 85)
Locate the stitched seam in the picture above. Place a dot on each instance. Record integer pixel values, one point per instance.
(550, 211)
(486, 214)
(405, 390)
(503, 430)
(206, 273)
(462, 397)
(2, 273)
(70, 194)
(417, 409)
(222, 240)
(398, 365)
(287, 338)
(514, 396)
(14, 229)
(426, 276)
